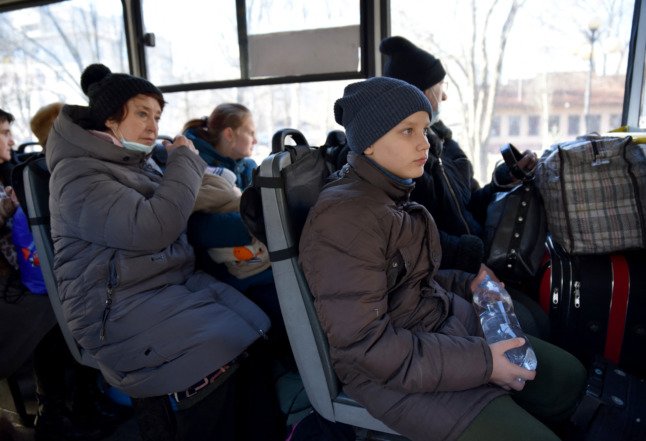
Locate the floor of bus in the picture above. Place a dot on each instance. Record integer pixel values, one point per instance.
(126, 431)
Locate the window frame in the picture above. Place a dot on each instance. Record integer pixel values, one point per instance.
(374, 25)
(635, 76)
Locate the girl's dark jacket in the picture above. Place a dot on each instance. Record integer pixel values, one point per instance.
(125, 270)
(402, 341)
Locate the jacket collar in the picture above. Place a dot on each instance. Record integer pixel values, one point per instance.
(370, 172)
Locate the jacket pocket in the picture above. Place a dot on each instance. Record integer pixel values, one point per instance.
(395, 270)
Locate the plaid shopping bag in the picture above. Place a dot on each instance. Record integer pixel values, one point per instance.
(594, 191)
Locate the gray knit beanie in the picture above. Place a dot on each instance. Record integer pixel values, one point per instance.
(407, 62)
(109, 91)
(370, 108)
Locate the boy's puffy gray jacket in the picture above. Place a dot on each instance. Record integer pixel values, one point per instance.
(125, 270)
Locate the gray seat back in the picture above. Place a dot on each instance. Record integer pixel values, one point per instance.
(290, 181)
(36, 186)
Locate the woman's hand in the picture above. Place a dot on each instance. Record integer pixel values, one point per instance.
(179, 141)
(506, 374)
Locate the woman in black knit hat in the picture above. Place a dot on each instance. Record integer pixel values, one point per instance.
(173, 339)
(447, 188)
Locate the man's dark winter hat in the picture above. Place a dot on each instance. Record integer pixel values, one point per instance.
(109, 91)
(370, 108)
(407, 62)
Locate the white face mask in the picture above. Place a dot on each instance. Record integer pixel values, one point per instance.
(137, 147)
(134, 146)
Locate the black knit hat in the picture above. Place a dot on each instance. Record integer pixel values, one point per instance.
(109, 91)
(370, 108)
(409, 63)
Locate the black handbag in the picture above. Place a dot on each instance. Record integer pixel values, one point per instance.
(516, 226)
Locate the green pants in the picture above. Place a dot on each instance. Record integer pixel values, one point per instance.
(549, 399)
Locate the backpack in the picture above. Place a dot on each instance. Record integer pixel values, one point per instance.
(31, 274)
(26, 254)
(312, 165)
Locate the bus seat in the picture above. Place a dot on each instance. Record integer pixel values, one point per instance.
(35, 177)
(290, 180)
(27, 150)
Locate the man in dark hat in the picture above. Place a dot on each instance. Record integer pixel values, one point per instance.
(447, 188)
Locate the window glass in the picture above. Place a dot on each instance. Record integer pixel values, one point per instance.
(198, 43)
(514, 125)
(495, 126)
(615, 121)
(593, 123)
(554, 124)
(268, 16)
(299, 37)
(306, 107)
(45, 49)
(557, 59)
(533, 123)
(573, 125)
(284, 37)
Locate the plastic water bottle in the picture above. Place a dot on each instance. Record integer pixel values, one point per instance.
(499, 322)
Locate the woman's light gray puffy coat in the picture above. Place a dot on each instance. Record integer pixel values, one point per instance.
(119, 227)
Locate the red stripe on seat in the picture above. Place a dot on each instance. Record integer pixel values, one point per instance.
(618, 308)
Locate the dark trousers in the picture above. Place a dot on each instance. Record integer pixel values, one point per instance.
(531, 316)
(544, 404)
(243, 408)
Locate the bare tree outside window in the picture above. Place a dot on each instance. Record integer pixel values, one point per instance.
(521, 58)
(46, 48)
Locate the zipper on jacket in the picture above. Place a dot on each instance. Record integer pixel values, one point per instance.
(453, 196)
(113, 281)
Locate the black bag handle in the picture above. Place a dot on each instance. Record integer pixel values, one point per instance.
(278, 140)
(512, 155)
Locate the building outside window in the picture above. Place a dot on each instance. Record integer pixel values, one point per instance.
(573, 124)
(533, 123)
(614, 121)
(593, 123)
(554, 124)
(514, 125)
(495, 126)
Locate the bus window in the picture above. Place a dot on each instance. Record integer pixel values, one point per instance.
(306, 106)
(44, 50)
(551, 68)
(276, 39)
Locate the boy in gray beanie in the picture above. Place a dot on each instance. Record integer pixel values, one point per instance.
(371, 108)
(403, 340)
